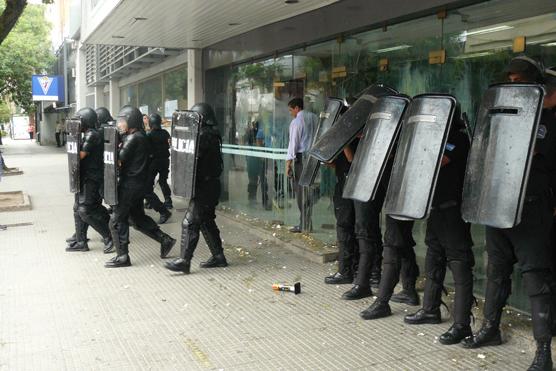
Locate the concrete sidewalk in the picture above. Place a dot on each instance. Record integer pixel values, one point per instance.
(65, 311)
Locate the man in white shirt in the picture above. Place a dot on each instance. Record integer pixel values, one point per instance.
(300, 141)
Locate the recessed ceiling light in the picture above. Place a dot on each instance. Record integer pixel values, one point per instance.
(291, 1)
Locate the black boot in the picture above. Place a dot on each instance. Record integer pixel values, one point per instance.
(455, 334)
(407, 296)
(357, 292)
(543, 357)
(338, 279)
(211, 233)
(435, 267)
(179, 265)
(72, 239)
(488, 334)
(78, 246)
(463, 282)
(108, 245)
(218, 261)
(166, 244)
(168, 203)
(422, 317)
(498, 289)
(361, 288)
(80, 243)
(118, 261)
(378, 309)
(164, 216)
(345, 263)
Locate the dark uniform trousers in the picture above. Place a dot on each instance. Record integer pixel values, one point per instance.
(399, 258)
(130, 208)
(200, 218)
(158, 167)
(525, 244)
(88, 210)
(368, 236)
(449, 242)
(348, 256)
(304, 199)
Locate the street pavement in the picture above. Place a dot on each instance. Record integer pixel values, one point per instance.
(65, 311)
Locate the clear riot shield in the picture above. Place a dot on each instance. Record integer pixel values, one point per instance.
(329, 145)
(73, 147)
(111, 145)
(375, 148)
(327, 119)
(500, 156)
(425, 128)
(186, 127)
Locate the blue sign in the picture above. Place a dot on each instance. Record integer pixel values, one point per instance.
(48, 88)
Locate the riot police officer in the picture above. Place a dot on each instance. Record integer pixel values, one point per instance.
(448, 239)
(88, 209)
(526, 243)
(368, 238)
(133, 159)
(160, 163)
(200, 215)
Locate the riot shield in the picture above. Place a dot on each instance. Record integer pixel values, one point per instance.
(425, 128)
(500, 156)
(111, 144)
(375, 148)
(329, 145)
(185, 142)
(327, 119)
(73, 146)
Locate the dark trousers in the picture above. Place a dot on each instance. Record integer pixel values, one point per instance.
(526, 244)
(200, 218)
(88, 210)
(399, 258)
(449, 242)
(348, 255)
(58, 140)
(369, 237)
(302, 195)
(158, 167)
(130, 208)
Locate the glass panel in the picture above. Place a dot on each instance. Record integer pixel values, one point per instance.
(175, 92)
(478, 45)
(150, 96)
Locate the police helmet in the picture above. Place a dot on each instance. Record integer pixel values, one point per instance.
(133, 117)
(88, 118)
(206, 110)
(104, 115)
(155, 121)
(530, 69)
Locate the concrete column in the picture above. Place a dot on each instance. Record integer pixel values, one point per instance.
(81, 79)
(195, 83)
(114, 104)
(99, 97)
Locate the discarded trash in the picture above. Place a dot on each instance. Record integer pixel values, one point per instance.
(420, 334)
(481, 356)
(295, 288)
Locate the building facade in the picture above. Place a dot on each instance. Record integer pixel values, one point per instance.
(248, 59)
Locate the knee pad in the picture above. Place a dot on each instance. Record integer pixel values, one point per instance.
(537, 282)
